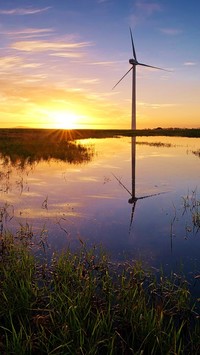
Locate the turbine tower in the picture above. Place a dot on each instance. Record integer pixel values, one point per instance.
(134, 62)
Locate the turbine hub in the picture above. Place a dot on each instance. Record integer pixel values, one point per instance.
(132, 61)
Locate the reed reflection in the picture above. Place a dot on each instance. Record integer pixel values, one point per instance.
(21, 151)
(26, 149)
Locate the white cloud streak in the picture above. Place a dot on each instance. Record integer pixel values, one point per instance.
(144, 10)
(171, 31)
(24, 11)
(38, 46)
(28, 31)
(156, 105)
(67, 54)
(148, 8)
(189, 63)
(105, 63)
(7, 62)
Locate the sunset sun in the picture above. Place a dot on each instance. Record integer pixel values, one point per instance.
(65, 120)
(62, 119)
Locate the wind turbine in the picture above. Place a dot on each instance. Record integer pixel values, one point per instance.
(134, 62)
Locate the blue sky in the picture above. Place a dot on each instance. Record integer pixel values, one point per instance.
(60, 59)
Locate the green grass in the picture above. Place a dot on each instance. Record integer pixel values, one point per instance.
(80, 303)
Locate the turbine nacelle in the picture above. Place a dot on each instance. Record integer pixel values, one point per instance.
(133, 61)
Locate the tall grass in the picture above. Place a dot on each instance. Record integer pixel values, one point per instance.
(83, 304)
(191, 205)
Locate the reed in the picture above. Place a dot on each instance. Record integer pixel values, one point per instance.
(81, 303)
(191, 206)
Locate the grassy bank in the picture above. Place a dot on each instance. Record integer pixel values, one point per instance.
(83, 304)
(26, 135)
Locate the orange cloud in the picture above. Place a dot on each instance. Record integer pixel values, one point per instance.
(26, 103)
(38, 46)
(28, 32)
(104, 63)
(67, 54)
(9, 62)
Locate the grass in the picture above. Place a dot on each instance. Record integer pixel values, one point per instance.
(191, 206)
(28, 146)
(80, 303)
(28, 134)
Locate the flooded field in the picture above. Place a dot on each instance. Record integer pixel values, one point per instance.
(137, 197)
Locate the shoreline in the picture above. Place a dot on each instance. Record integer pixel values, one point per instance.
(74, 134)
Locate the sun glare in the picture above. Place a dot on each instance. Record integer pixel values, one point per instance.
(62, 119)
(65, 120)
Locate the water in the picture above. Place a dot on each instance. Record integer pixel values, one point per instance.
(138, 198)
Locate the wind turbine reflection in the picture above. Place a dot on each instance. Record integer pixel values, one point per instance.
(133, 199)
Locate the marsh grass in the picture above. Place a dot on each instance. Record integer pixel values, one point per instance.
(23, 148)
(81, 303)
(191, 206)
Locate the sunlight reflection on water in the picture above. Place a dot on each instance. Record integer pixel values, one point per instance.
(90, 198)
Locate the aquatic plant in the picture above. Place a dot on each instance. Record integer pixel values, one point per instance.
(191, 204)
(156, 144)
(81, 303)
(24, 148)
(196, 152)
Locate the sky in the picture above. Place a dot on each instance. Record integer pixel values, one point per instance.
(59, 61)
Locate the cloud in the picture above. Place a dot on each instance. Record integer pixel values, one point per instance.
(9, 62)
(143, 10)
(28, 32)
(24, 99)
(89, 81)
(67, 54)
(189, 63)
(17, 90)
(171, 31)
(32, 65)
(148, 8)
(155, 105)
(24, 11)
(34, 78)
(105, 63)
(39, 46)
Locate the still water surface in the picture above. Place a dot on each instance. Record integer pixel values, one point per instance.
(137, 197)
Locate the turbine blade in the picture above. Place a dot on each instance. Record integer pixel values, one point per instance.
(122, 78)
(133, 48)
(119, 181)
(151, 66)
(147, 196)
